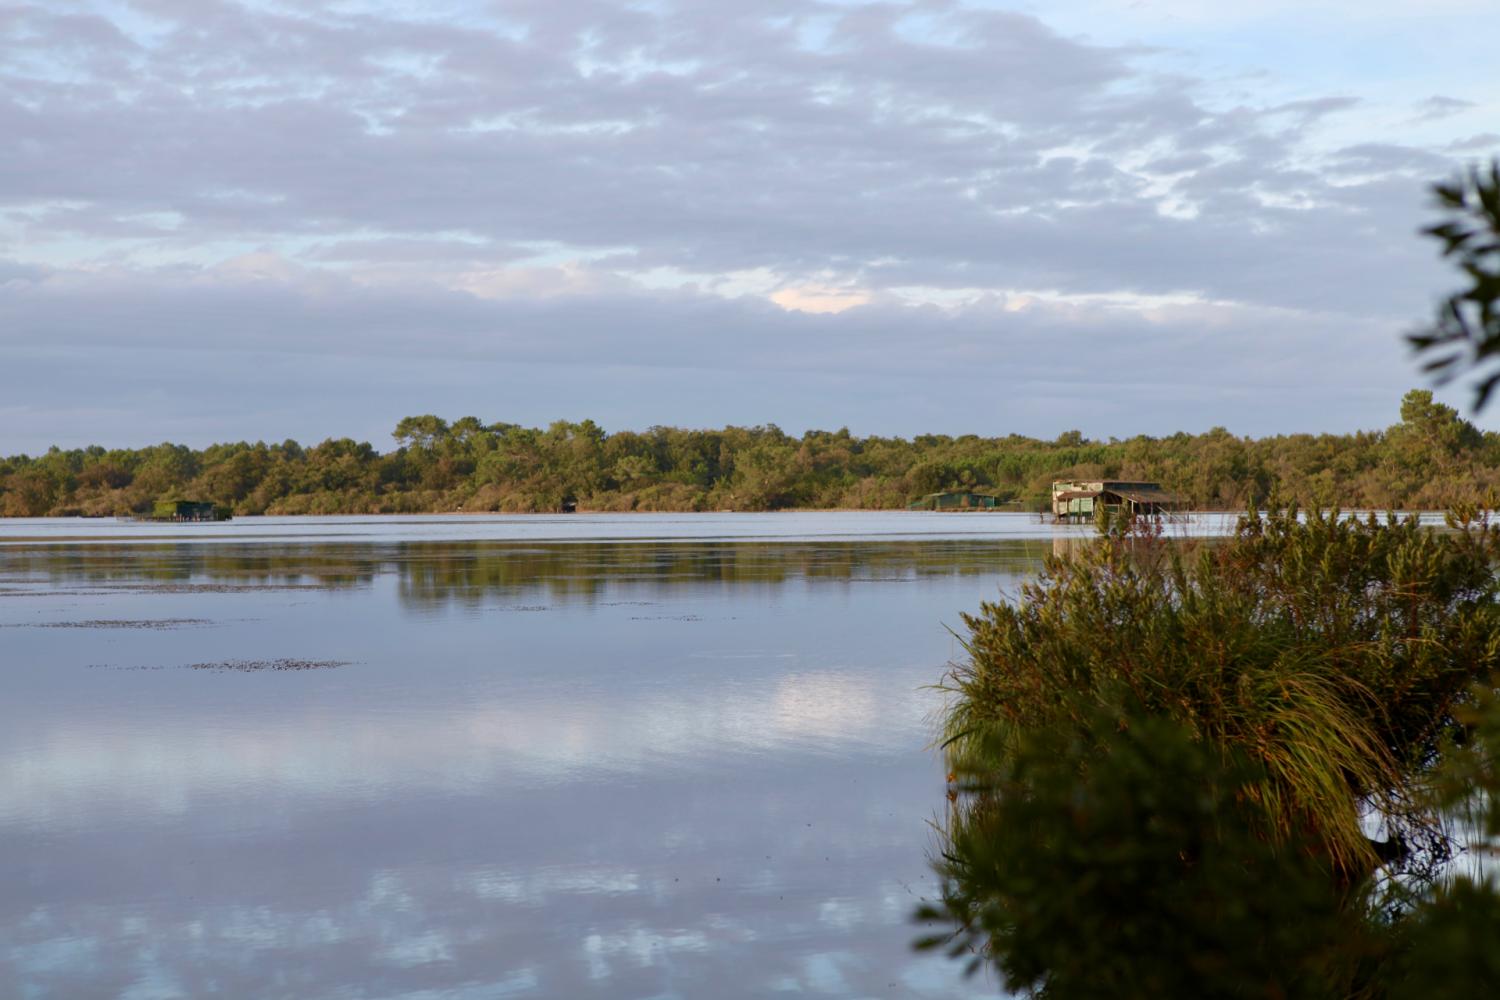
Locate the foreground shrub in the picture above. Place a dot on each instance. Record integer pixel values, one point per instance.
(1123, 860)
(1212, 769)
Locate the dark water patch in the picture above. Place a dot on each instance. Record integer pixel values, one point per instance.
(666, 618)
(113, 589)
(153, 624)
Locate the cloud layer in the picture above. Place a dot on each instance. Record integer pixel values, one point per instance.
(773, 199)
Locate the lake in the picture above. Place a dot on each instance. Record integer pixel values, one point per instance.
(459, 757)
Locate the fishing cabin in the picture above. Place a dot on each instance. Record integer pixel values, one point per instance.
(954, 501)
(188, 510)
(1081, 501)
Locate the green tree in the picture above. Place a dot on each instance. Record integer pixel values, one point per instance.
(1466, 334)
(422, 432)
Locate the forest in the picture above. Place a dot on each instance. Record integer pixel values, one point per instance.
(1431, 458)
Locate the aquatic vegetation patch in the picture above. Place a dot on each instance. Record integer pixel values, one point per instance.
(249, 666)
(154, 624)
(240, 666)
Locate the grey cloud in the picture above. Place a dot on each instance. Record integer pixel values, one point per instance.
(14, 271)
(1387, 158)
(1475, 143)
(692, 136)
(1180, 163)
(310, 355)
(321, 315)
(1317, 107)
(1438, 106)
(414, 251)
(375, 159)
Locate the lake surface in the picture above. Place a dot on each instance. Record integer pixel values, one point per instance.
(444, 757)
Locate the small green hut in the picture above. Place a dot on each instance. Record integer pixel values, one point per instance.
(188, 510)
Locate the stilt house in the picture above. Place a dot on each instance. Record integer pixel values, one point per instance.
(1081, 501)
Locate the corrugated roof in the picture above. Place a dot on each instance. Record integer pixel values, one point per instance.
(1147, 496)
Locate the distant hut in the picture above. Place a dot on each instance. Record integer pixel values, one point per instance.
(1082, 501)
(954, 501)
(188, 510)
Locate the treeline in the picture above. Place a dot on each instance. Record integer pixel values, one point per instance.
(1430, 459)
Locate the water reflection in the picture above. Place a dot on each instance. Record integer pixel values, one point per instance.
(697, 770)
(442, 572)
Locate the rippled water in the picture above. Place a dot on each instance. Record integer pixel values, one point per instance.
(441, 757)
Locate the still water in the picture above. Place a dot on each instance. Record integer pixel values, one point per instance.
(650, 756)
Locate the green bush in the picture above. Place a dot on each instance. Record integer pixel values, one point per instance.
(1123, 859)
(1157, 737)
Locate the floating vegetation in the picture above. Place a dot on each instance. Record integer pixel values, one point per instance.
(248, 666)
(242, 666)
(155, 624)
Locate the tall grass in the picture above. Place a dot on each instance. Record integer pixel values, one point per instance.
(1333, 652)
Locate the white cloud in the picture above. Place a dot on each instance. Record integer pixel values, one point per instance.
(584, 184)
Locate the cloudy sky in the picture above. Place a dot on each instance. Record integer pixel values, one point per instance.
(254, 219)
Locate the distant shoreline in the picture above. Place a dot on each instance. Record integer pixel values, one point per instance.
(549, 515)
(1431, 459)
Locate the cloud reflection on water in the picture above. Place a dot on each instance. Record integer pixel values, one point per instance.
(575, 803)
(60, 771)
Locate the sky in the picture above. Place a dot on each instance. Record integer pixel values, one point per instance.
(261, 219)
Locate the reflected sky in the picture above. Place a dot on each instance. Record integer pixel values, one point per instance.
(636, 769)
